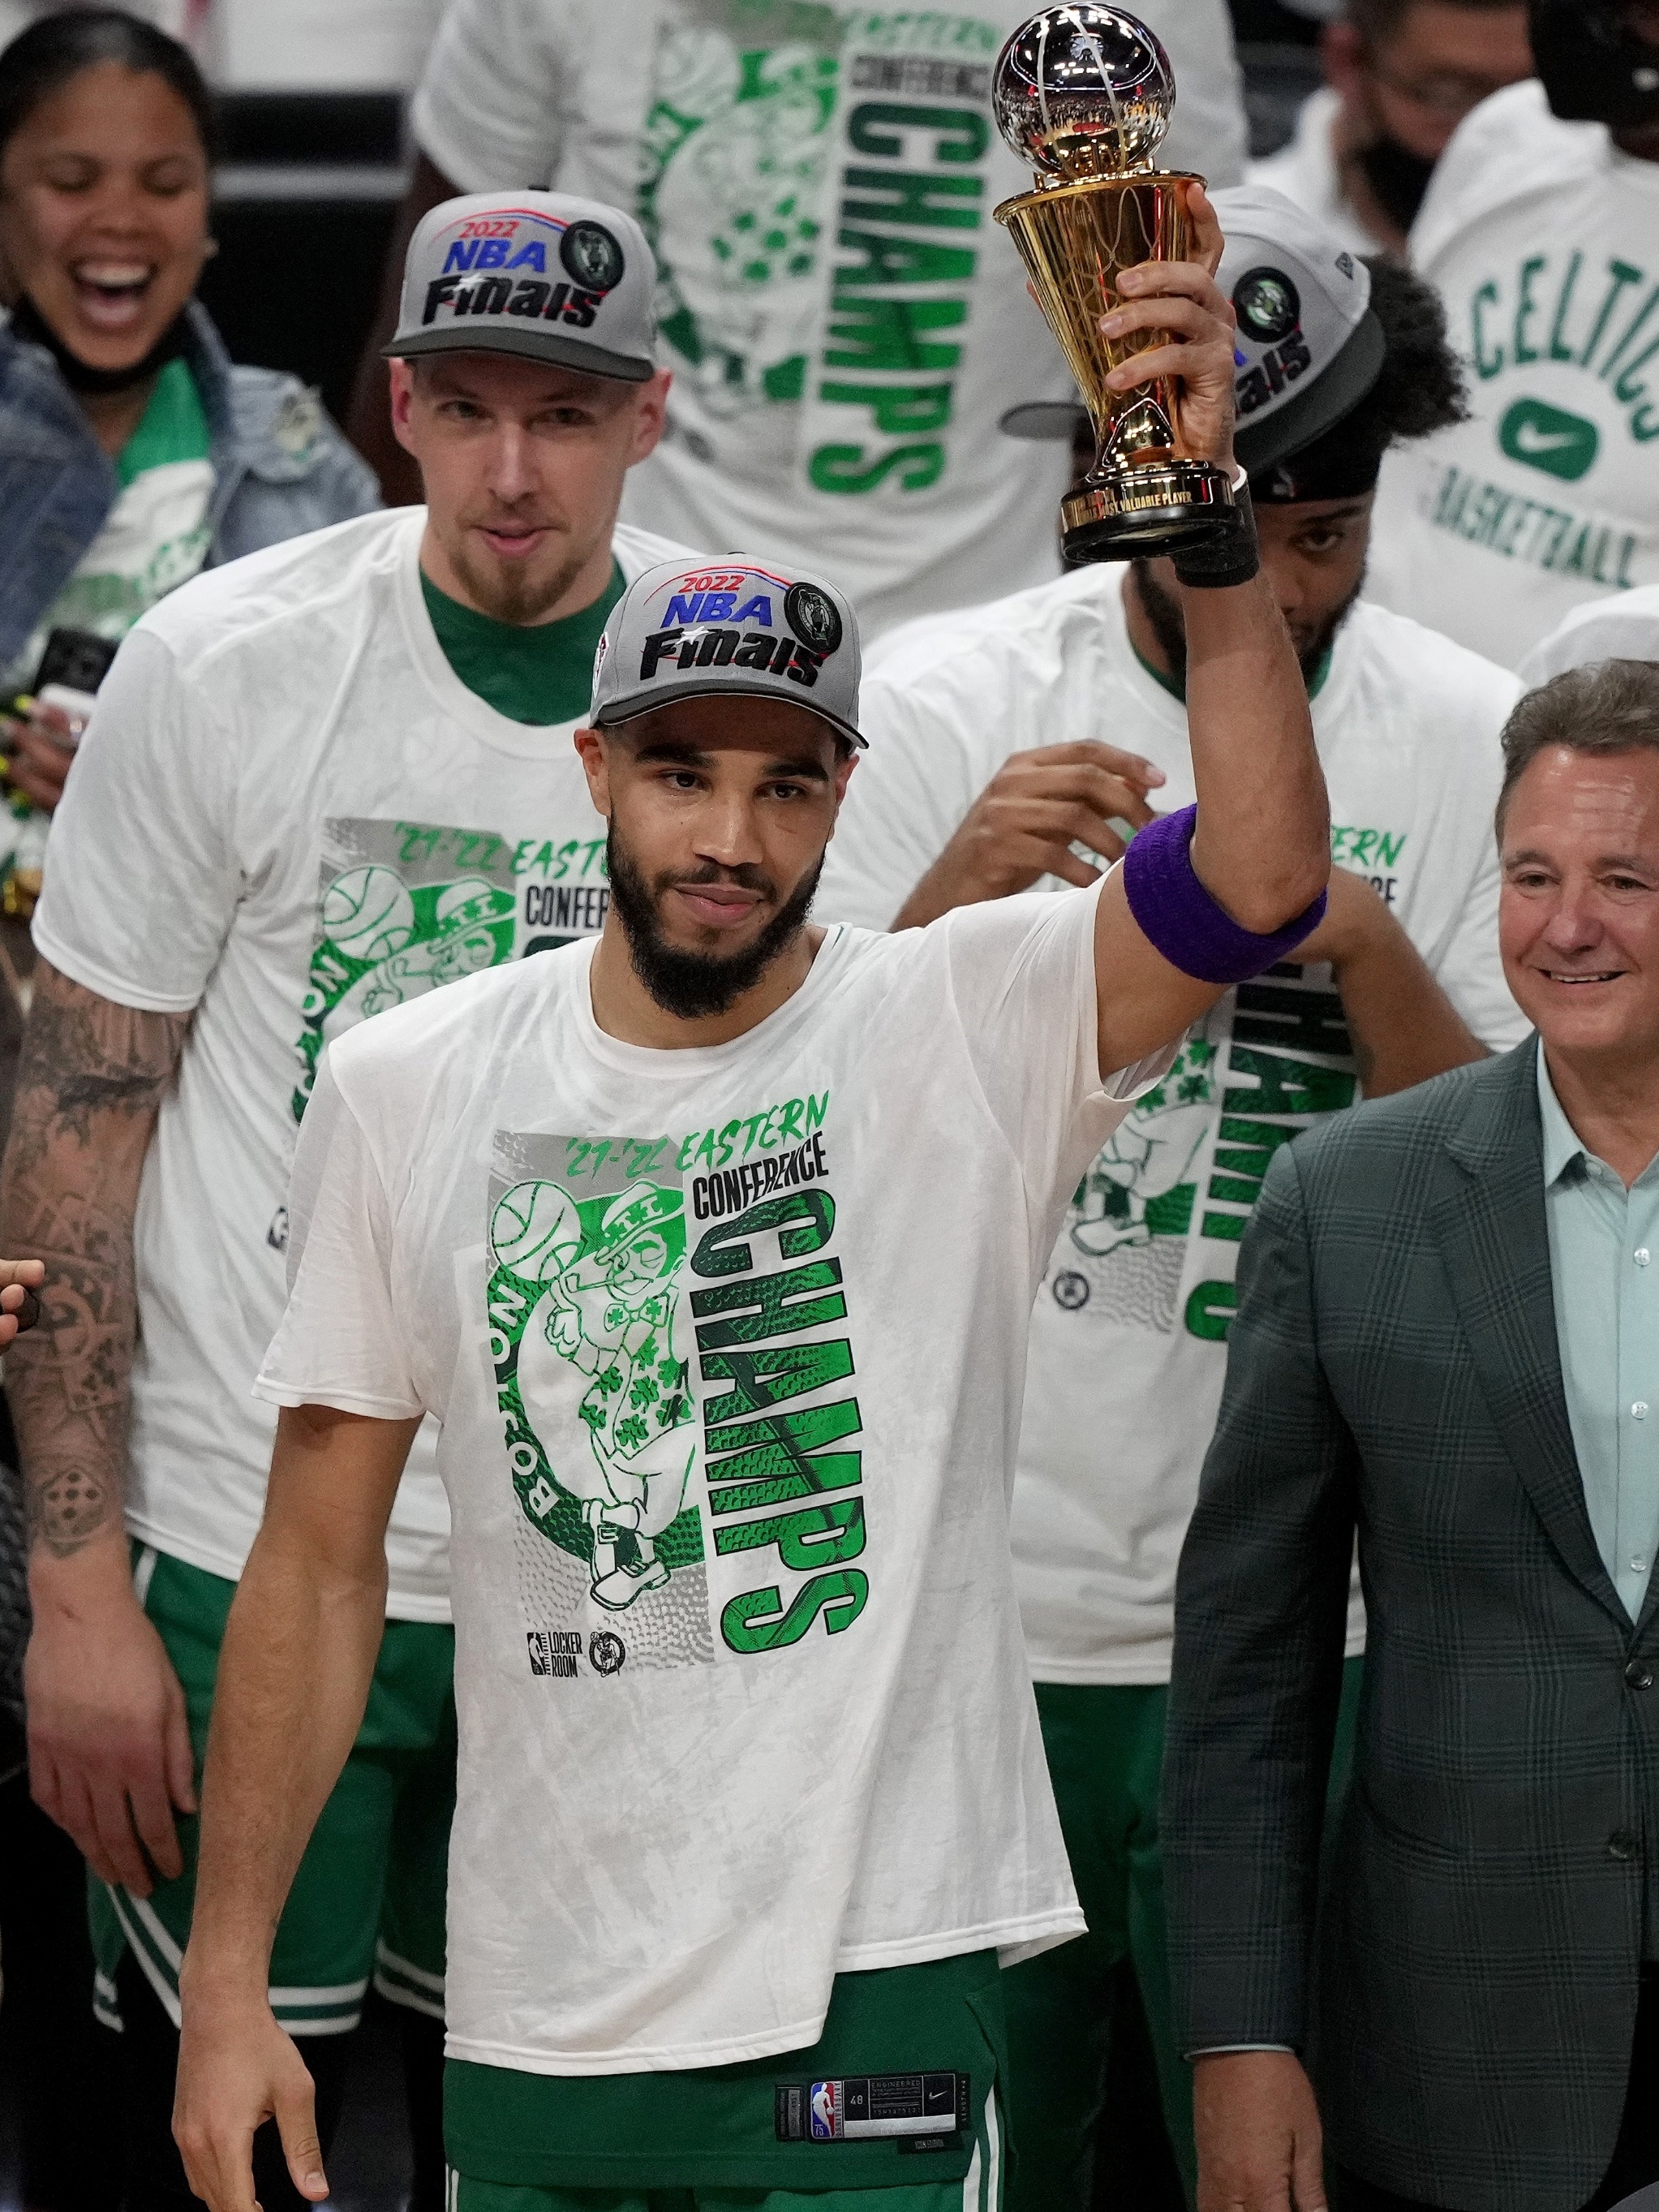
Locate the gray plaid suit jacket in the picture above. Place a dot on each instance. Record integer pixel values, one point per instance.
(1468, 1999)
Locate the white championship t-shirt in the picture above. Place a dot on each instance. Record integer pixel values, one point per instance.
(845, 321)
(767, 1301)
(1305, 170)
(1129, 1331)
(1625, 627)
(290, 812)
(1543, 239)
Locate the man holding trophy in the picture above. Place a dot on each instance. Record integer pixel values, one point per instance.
(727, 1908)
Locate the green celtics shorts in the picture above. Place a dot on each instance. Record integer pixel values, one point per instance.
(898, 2107)
(978, 2192)
(368, 1897)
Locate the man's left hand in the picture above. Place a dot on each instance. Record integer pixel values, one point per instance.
(1182, 299)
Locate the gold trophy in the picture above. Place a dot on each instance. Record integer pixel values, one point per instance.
(1084, 93)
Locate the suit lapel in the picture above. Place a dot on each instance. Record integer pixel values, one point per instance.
(1489, 1218)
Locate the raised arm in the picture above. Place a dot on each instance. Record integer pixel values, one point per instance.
(1260, 847)
(109, 1748)
(294, 1671)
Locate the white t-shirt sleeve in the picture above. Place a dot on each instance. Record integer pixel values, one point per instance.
(909, 794)
(1624, 627)
(1022, 979)
(141, 878)
(488, 108)
(338, 1343)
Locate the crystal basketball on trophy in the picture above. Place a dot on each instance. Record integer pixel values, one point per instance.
(1084, 93)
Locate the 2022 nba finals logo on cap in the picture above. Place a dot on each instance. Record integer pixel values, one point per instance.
(797, 626)
(509, 263)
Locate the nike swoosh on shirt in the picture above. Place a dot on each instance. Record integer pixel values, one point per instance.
(1531, 439)
(1540, 436)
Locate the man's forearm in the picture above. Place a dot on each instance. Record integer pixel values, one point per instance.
(1262, 843)
(294, 1670)
(1404, 1027)
(294, 1677)
(88, 1090)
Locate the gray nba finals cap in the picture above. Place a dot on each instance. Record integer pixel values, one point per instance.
(541, 274)
(728, 629)
(1308, 348)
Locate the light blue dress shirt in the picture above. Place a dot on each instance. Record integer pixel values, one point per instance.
(1604, 1266)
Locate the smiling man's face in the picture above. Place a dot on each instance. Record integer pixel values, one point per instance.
(1579, 913)
(719, 810)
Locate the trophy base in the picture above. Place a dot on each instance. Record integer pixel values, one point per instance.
(1138, 513)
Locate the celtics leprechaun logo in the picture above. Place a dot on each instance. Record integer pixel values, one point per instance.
(1122, 1249)
(384, 940)
(736, 151)
(601, 1277)
(1152, 1152)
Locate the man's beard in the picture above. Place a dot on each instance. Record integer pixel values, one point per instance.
(512, 594)
(691, 985)
(1162, 612)
(1398, 177)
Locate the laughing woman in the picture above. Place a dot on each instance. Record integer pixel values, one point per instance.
(132, 451)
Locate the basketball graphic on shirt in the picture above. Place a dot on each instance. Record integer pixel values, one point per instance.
(535, 1231)
(368, 913)
(737, 145)
(405, 908)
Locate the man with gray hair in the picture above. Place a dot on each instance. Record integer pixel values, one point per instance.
(1446, 1342)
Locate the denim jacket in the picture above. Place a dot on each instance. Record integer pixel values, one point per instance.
(280, 468)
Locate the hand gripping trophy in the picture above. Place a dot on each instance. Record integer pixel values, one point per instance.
(1083, 91)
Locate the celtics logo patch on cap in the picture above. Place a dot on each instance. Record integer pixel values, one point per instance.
(1268, 305)
(592, 256)
(546, 277)
(732, 626)
(812, 614)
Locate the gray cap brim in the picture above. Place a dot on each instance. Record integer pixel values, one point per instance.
(1319, 406)
(1319, 403)
(529, 344)
(631, 709)
(1043, 419)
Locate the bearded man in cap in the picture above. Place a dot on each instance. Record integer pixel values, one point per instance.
(1538, 233)
(736, 1865)
(991, 777)
(324, 780)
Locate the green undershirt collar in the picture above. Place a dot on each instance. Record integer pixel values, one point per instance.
(535, 673)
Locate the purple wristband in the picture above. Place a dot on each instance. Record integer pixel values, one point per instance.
(1180, 918)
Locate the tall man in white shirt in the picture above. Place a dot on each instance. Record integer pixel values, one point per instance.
(1539, 232)
(320, 782)
(733, 1866)
(844, 320)
(985, 776)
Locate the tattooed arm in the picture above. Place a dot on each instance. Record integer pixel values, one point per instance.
(109, 1749)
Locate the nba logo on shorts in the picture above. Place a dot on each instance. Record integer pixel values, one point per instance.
(823, 2112)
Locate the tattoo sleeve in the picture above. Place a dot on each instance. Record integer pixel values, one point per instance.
(89, 1089)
